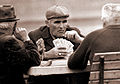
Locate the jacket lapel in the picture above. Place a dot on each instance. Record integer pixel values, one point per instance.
(47, 37)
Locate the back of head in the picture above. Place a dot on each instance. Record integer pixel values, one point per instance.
(111, 12)
(7, 13)
(56, 11)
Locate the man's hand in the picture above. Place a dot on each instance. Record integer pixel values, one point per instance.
(73, 36)
(56, 53)
(21, 34)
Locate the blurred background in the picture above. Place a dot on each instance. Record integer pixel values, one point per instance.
(84, 14)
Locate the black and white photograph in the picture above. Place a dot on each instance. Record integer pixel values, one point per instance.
(59, 41)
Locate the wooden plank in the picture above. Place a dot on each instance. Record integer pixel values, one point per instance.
(113, 74)
(54, 70)
(109, 56)
(116, 81)
(113, 65)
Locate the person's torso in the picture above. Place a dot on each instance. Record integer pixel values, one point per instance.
(108, 40)
(8, 75)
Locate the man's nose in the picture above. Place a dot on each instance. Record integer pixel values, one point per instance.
(61, 25)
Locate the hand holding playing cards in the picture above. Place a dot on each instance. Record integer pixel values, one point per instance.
(56, 53)
(63, 47)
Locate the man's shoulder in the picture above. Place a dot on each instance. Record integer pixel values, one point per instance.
(41, 32)
(9, 40)
(40, 29)
(37, 31)
(94, 34)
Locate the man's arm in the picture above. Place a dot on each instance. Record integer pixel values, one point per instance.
(79, 58)
(21, 55)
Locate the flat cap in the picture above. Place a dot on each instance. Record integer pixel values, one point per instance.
(56, 11)
(110, 11)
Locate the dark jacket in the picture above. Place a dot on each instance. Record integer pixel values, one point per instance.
(43, 32)
(103, 40)
(16, 57)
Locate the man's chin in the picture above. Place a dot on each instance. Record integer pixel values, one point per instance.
(60, 36)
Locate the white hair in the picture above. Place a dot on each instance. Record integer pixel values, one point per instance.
(110, 11)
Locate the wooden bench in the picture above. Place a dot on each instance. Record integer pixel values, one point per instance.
(105, 68)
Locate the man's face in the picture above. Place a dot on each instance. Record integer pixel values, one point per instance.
(57, 26)
(6, 27)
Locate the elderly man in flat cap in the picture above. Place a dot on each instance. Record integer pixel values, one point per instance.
(56, 27)
(57, 31)
(106, 39)
(17, 52)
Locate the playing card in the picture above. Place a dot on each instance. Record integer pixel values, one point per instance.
(60, 42)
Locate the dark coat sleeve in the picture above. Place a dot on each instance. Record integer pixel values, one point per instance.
(79, 59)
(20, 54)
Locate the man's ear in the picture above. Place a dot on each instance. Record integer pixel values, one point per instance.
(47, 22)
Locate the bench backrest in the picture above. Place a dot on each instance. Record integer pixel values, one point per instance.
(105, 68)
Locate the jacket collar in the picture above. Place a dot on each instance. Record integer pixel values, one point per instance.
(47, 36)
(45, 32)
(113, 26)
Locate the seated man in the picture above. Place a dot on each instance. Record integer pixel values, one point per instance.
(56, 27)
(106, 39)
(17, 52)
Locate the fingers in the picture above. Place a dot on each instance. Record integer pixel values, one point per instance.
(20, 30)
(62, 52)
(21, 33)
(70, 34)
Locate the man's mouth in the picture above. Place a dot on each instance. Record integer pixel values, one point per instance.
(61, 31)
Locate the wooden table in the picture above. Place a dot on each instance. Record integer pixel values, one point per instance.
(58, 66)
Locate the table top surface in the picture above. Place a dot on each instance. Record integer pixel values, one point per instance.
(58, 66)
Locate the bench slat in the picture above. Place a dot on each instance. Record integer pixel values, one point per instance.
(108, 57)
(117, 81)
(111, 68)
(113, 74)
(112, 65)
